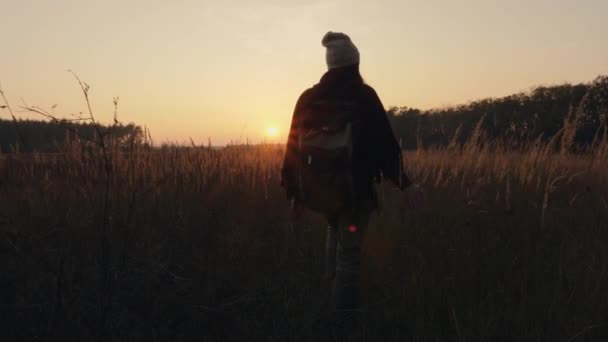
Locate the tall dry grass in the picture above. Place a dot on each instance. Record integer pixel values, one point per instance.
(510, 246)
(102, 242)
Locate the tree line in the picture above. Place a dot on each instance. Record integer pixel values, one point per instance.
(516, 120)
(49, 136)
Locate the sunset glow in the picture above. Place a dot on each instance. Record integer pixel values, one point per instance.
(271, 132)
(211, 69)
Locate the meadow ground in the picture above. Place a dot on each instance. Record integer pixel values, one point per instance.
(180, 244)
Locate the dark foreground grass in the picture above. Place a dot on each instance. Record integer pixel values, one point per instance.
(192, 244)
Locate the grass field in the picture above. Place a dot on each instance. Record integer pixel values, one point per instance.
(180, 244)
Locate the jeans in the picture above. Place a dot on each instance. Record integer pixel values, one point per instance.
(344, 238)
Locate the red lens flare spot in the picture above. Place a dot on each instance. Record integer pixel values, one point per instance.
(352, 228)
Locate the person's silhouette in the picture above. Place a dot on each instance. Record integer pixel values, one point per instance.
(375, 155)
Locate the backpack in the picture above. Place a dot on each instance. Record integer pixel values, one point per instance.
(326, 153)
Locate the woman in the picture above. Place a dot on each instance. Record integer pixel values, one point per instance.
(376, 155)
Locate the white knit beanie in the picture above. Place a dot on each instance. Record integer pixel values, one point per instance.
(340, 50)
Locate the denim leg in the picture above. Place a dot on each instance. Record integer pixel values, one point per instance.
(350, 231)
(331, 243)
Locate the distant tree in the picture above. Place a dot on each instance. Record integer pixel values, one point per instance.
(45, 136)
(517, 119)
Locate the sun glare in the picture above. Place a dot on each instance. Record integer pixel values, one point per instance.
(271, 132)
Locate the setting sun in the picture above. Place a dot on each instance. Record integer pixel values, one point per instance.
(271, 132)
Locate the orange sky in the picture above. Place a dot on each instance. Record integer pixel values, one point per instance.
(228, 70)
